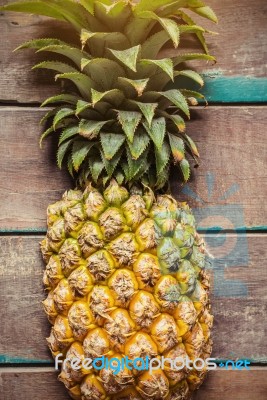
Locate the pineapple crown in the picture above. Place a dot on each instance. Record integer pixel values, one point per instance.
(121, 119)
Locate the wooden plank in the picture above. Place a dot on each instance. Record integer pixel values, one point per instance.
(239, 48)
(42, 384)
(239, 299)
(230, 179)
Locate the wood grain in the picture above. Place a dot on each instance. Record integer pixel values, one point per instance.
(233, 153)
(239, 48)
(42, 384)
(239, 300)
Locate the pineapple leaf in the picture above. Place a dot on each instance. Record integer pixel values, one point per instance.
(61, 98)
(199, 35)
(38, 44)
(192, 94)
(165, 64)
(133, 167)
(113, 14)
(140, 143)
(55, 66)
(185, 168)
(162, 157)
(156, 131)
(176, 119)
(62, 150)
(83, 82)
(190, 74)
(110, 165)
(170, 7)
(73, 53)
(116, 39)
(177, 148)
(88, 5)
(139, 84)
(61, 114)
(206, 12)
(147, 109)
(167, 24)
(70, 166)
(80, 150)
(96, 166)
(192, 146)
(90, 129)
(175, 97)
(191, 57)
(111, 143)
(45, 134)
(190, 29)
(113, 95)
(129, 121)
(103, 72)
(152, 46)
(127, 57)
(162, 179)
(82, 106)
(68, 133)
(62, 10)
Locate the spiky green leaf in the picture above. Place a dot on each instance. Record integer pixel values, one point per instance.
(45, 134)
(61, 98)
(38, 44)
(162, 157)
(103, 72)
(192, 57)
(111, 143)
(152, 46)
(147, 109)
(206, 12)
(62, 150)
(139, 85)
(114, 96)
(167, 24)
(191, 75)
(127, 57)
(83, 82)
(165, 64)
(67, 133)
(96, 166)
(72, 53)
(55, 66)
(177, 147)
(139, 145)
(191, 144)
(176, 97)
(82, 106)
(80, 150)
(110, 165)
(156, 131)
(185, 168)
(61, 114)
(90, 129)
(129, 121)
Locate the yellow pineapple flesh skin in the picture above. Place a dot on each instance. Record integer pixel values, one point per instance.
(125, 277)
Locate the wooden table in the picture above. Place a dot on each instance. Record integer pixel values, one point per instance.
(231, 134)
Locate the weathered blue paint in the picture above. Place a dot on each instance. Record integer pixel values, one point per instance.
(6, 359)
(236, 89)
(219, 88)
(214, 229)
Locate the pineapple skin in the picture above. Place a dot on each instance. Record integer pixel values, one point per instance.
(126, 276)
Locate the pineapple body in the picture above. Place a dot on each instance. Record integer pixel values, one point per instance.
(125, 277)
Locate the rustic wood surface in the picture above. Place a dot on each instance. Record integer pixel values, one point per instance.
(239, 299)
(240, 49)
(232, 146)
(42, 384)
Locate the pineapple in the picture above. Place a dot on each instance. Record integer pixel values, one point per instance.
(125, 267)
